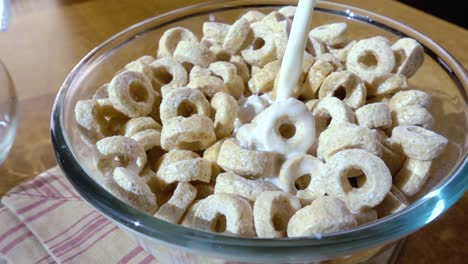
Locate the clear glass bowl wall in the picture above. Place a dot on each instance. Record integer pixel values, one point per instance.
(440, 76)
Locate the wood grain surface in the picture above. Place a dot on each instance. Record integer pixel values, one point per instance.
(46, 38)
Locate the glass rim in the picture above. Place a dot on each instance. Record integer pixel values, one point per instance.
(384, 230)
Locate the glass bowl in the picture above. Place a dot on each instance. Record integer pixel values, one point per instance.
(441, 75)
(8, 112)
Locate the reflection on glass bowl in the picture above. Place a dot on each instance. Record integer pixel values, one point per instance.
(8, 112)
(441, 75)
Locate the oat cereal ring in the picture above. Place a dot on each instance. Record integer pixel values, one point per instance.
(225, 107)
(272, 211)
(412, 176)
(253, 16)
(315, 46)
(192, 133)
(215, 32)
(379, 99)
(197, 169)
(315, 77)
(198, 71)
(183, 102)
(187, 219)
(281, 34)
(375, 115)
(90, 120)
(366, 216)
(173, 210)
(228, 72)
(147, 59)
(131, 93)
(412, 115)
(102, 92)
(346, 86)
(418, 143)
(212, 152)
(174, 156)
(409, 56)
(387, 85)
(114, 120)
(132, 189)
(249, 189)
(392, 159)
(288, 11)
(330, 111)
(168, 75)
(331, 34)
(377, 184)
(139, 124)
(286, 127)
(225, 213)
(204, 189)
(326, 214)
(242, 67)
(220, 53)
(140, 67)
(190, 53)
(148, 138)
(341, 53)
(330, 58)
(394, 201)
(208, 85)
(119, 151)
(346, 135)
(263, 80)
(258, 164)
(410, 97)
(262, 48)
(311, 104)
(370, 59)
(236, 35)
(171, 38)
(298, 167)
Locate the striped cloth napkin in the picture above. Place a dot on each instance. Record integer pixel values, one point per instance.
(46, 221)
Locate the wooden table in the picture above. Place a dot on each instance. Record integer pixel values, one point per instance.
(46, 38)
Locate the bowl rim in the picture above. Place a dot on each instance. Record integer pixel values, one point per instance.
(376, 233)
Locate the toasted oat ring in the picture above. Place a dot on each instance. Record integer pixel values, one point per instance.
(315, 46)
(128, 186)
(171, 38)
(233, 158)
(187, 170)
(387, 85)
(330, 34)
(190, 53)
(225, 107)
(394, 201)
(345, 86)
(285, 127)
(131, 93)
(120, 151)
(346, 135)
(183, 102)
(114, 120)
(208, 85)
(409, 55)
(249, 189)
(272, 211)
(326, 214)
(236, 35)
(192, 133)
(412, 115)
(174, 156)
(102, 92)
(299, 166)
(330, 111)
(253, 16)
(410, 97)
(376, 115)
(371, 193)
(418, 143)
(167, 75)
(225, 213)
(263, 80)
(242, 68)
(262, 48)
(341, 52)
(90, 120)
(366, 216)
(215, 32)
(370, 59)
(412, 176)
(173, 210)
(228, 73)
(139, 124)
(140, 67)
(148, 138)
(315, 77)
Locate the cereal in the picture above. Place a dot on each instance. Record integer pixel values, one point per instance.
(412, 115)
(262, 47)
(193, 53)
(409, 56)
(326, 214)
(120, 151)
(272, 211)
(376, 115)
(90, 119)
(315, 47)
(131, 93)
(281, 34)
(387, 85)
(412, 176)
(197, 169)
(262, 81)
(410, 97)
(253, 16)
(173, 210)
(329, 111)
(171, 38)
(288, 11)
(139, 124)
(367, 216)
(228, 72)
(212, 152)
(394, 202)
(371, 59)
(298, 167)
(225, 213)
(392, 159)
(215, 32)
(140, 67)
(167, 75)
(101, 92)
(189, 216)
(208, 85)
(236, 35)
(192, 133)
(418, 143)
(344, 136)
(315, 77)
(249, 189)
(225, 107)
(331, 34)
(345, 86)
(183, 102)
(371, 193)
(341, 53)
(242, 68)
(148, 138)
